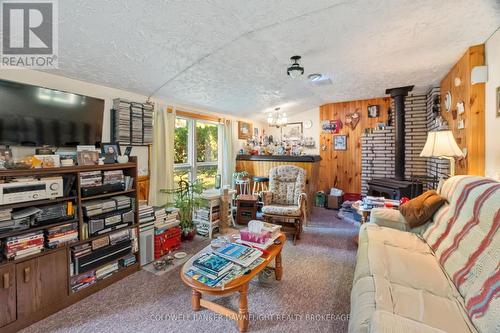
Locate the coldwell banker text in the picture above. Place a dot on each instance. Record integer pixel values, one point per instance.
(29, 34)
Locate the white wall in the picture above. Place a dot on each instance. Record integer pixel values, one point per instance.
(52, 81)
(492, 167)
(314, 131)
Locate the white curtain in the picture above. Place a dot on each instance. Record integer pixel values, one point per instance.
(162, 159)
(228, 162)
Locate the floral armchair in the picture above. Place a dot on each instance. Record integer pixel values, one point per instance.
(286, 200)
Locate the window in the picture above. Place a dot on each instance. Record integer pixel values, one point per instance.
(196, 152)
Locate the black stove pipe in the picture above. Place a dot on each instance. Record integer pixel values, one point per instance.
(398, 95)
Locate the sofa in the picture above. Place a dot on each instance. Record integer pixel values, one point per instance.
(441, 277)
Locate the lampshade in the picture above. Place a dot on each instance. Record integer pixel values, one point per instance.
(441, 143)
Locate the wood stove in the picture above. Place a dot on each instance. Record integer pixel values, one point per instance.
(399, 186)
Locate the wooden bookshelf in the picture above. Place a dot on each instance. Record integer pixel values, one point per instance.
(20, 309)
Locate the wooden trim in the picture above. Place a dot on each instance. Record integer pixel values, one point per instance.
(196, 115)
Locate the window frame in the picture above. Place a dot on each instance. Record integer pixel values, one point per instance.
(192, 164)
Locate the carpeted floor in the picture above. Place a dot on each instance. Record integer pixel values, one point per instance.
(312, 297)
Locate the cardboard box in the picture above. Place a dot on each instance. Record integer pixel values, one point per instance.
(334, 202)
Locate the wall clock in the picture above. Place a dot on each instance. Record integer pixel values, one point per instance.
(447, 101)
(308, 124)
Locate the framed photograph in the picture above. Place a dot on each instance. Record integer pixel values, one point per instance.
(256, 132)
(111, 149)
(49, 161)
(331, 126)
(373, 111)
(340, 142)
(498, 101)
(292, 131)
(244, 130)
(88, 157)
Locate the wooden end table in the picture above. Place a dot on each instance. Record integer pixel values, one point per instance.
(239, 285)
(246, 208)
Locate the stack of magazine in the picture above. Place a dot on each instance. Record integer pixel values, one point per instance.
(217, 268)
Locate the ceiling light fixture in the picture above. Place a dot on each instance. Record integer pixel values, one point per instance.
(277, 118)
(295, 70)
(315, 77)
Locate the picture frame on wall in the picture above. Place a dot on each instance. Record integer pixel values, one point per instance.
(244, 130)
(292, 131)
(373, 111)
(340, 142)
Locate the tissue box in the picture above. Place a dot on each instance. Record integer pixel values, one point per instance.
(253, 237)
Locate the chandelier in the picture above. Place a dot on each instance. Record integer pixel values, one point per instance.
(276, 118)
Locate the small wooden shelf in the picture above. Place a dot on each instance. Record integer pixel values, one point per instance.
(110, 194)
(32, 229)
(37, 202)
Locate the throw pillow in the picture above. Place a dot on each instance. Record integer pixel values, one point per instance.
(419, 210)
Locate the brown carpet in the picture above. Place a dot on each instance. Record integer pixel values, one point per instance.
(312, 297)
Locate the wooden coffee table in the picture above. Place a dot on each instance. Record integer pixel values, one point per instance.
(239, 284)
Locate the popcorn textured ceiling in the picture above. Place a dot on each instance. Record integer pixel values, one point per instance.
(231, 55)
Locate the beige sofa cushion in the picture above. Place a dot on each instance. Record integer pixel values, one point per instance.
(397, 272)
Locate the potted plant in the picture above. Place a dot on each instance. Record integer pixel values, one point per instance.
(186, 198)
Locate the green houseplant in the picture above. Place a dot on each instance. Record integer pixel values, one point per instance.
(186, 197)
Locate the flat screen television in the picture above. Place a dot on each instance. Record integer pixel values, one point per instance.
(37, 116)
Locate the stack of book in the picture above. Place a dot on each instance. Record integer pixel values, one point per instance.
(61, 235)
(92, 208)
(82, 281)
(129, 182)
(122, 201)
(219, 267)
(210, 269)
(106, 270)
(147, 123)
(239, 254)
(263, 239)
(113, 177)
(136, 123)
(146, 214)
(121, 113)
(18, 247)
(165, 219)
(127, 260)
(91, 179)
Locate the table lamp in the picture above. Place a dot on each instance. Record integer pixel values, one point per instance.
(442, 144)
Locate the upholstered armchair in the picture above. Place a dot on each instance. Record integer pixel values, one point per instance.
(285, 202)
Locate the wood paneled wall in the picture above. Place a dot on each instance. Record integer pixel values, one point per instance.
(342, 169)
(472, 136)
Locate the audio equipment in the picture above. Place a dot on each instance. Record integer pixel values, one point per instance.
(22, 191)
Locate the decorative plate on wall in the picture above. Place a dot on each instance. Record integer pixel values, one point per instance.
(447, 101)
(308, 124)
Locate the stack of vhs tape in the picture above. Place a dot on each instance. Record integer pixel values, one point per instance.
(122, 201)
(84, 258)
(106, 270)
(146, 214)
(147, 123)
(136, 123)
(91, 179)
(5, 214)
(113, 177)
(127, 260)
(18, 247)
(121, 119)
(61, 235)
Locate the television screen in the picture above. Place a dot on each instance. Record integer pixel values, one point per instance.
(36, 116)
